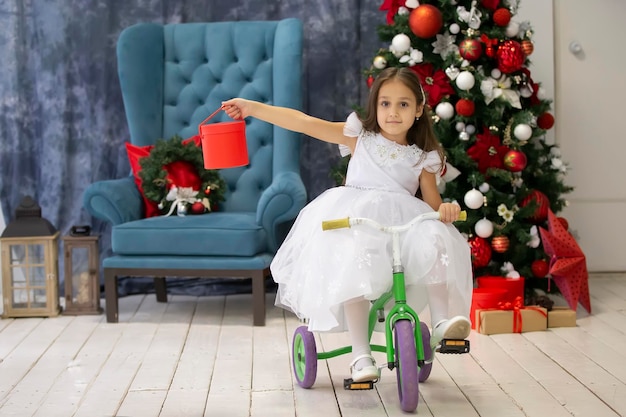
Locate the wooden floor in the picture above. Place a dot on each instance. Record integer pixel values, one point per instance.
(202, 357)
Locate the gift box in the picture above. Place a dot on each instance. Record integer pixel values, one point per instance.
(517, 320)
(514, 286)
(561, 317)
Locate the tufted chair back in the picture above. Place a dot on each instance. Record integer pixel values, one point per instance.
(189, 69)
(172, 77)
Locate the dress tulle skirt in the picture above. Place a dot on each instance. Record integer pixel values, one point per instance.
(317, 271)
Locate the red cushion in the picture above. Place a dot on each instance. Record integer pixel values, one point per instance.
(135, 153)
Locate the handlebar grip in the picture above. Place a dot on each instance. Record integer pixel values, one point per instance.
(462, 216)
(336, 224)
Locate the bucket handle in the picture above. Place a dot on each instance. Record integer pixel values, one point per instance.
(210, 116)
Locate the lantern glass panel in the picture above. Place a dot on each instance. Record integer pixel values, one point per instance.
(36, 254)
(18, 277)
(38, 276)
(20, 298)
(17, 254)
(40, 298)
(81, 285)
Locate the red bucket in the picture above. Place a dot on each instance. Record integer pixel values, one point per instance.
(484, 298)
(223, 144)
(514, 286)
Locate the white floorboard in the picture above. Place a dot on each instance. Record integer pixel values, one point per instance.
(201, 356)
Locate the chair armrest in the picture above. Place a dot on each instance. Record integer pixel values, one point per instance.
(115, 201)
(280, 202)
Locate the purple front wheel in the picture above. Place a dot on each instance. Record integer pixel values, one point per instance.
(406, 365)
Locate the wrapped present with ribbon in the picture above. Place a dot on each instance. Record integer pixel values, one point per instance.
(511, 318)
(561, 317)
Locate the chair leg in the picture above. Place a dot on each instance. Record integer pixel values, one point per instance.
(160, 288)
(110, 295)
(258, 298)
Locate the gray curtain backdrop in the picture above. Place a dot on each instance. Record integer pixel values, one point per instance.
(62, 122)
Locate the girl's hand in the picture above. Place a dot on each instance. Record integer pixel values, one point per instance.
(449, 212)
(237, 108)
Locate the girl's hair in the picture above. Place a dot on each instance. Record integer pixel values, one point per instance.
(421, 133)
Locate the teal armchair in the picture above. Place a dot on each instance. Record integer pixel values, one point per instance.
(172, 77)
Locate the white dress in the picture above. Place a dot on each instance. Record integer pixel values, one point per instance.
(317, 271)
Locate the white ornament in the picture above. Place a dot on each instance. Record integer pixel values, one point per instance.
(460, 126)
(401, 43)
(484, 187)
(483, 228)
(525, 91)
(474, 199)
(454, 28)
(464, 136)
(452, 72)
(512, 30)
(411, 4)
(471, 129)
(444, 110)
(380, 62)
(523, 131)
(496, 73)
(465, 80)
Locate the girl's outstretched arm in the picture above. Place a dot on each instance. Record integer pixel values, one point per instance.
(290, 119)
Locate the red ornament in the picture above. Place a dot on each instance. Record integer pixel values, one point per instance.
(500, 244)
(425, 21)
(545, 121)
(563, 222)
(481, 252)
(490, 4)
(539, 268)
(502, 17)
(515, 161)
(370, 81)
(542, 204)
(465, 107)
(527, 47)
(510, 56)
(470, 49)
(197, 207)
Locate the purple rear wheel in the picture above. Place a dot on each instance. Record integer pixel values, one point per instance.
(424, 372)
(304, 354)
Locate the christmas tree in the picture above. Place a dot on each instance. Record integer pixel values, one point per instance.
(491, 116)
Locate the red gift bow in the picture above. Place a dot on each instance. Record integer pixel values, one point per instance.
(517, 306)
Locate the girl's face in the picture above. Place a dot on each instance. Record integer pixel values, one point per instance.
(396, 110)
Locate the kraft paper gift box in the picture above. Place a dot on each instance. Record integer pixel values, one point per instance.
(561, 317)
(524, 319)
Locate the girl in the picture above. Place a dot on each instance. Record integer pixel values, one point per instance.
(330, 277)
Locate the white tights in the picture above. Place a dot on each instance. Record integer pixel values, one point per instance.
(357, 317)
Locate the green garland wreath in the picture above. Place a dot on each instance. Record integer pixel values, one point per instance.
(154, 176)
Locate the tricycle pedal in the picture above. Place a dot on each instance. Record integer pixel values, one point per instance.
(454, 346)
(349, 384)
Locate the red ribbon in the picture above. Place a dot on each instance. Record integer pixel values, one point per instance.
(490, 45)
(517, 306)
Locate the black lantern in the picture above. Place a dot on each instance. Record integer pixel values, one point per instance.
(30, 264)
(82, 279)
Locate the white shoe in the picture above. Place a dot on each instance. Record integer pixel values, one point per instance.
(367, 372)
(457, 328)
